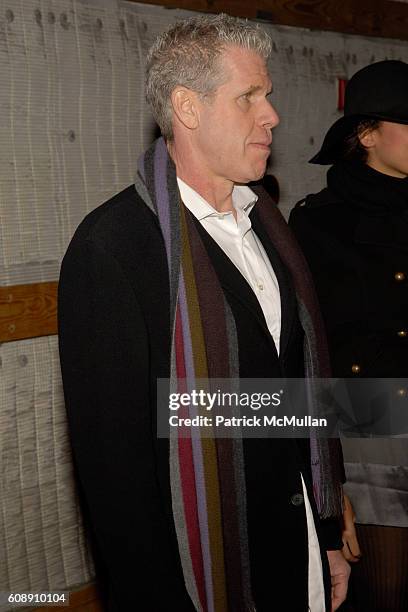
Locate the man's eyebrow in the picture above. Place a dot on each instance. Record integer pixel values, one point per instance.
(255, 88)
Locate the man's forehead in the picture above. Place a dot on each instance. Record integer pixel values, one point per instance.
(245, 65)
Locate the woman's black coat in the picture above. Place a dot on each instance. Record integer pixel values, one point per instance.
(359, 260)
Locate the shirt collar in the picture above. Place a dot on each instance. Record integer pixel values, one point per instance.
(243, 198)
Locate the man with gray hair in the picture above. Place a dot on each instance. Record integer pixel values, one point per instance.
(190, 274)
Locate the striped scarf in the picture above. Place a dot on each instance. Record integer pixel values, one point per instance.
(207, 475)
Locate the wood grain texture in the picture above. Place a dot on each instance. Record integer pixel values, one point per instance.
(85, 600)
(384, 18)
(28, 311)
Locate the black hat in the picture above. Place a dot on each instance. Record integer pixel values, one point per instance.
(378, 91)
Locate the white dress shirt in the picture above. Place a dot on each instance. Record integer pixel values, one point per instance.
(242, 246)
(239, 242)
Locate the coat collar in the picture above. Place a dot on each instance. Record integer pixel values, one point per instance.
(243, 198)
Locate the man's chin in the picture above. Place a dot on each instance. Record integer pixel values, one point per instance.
(258, 174)
(252, 174)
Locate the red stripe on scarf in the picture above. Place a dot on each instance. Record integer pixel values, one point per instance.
(187, 474)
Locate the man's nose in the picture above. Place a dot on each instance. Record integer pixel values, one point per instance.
(271, 117)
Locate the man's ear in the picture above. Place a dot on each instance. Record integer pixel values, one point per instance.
(184, 102)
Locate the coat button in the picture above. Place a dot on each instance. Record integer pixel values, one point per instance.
(399, 276)
(355, 368)
(297, 499)
(402, 334)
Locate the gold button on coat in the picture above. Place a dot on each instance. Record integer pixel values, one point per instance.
(402, 333)
(399, 276)
(355, 368)
(297, 499)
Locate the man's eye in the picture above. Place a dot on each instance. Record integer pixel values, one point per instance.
(246, 97)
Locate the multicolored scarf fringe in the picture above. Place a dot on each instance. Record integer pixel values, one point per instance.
(207, 475)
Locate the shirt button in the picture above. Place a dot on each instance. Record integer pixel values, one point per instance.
(399, 276)
(297, 499)
(260, 285)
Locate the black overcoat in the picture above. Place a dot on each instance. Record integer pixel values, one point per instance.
(114, 343)
(359, 261)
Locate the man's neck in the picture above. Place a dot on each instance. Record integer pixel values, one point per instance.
(215, 190)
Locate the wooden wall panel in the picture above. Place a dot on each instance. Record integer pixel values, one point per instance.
(28, 311)
(385, 18)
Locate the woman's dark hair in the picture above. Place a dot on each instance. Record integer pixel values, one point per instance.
(352, 148)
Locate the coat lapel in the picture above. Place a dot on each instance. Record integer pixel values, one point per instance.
(230, 277)
(233, 281)
(287, 293)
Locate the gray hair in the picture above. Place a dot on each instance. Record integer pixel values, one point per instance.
(187, 54)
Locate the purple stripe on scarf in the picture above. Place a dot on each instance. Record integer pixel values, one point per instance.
(162, 197)
(141, 168)
(197, 452)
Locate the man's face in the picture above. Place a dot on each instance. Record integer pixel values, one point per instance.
(389, 150)
(235, 126)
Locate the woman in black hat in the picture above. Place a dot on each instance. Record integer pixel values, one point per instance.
(354, 234)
